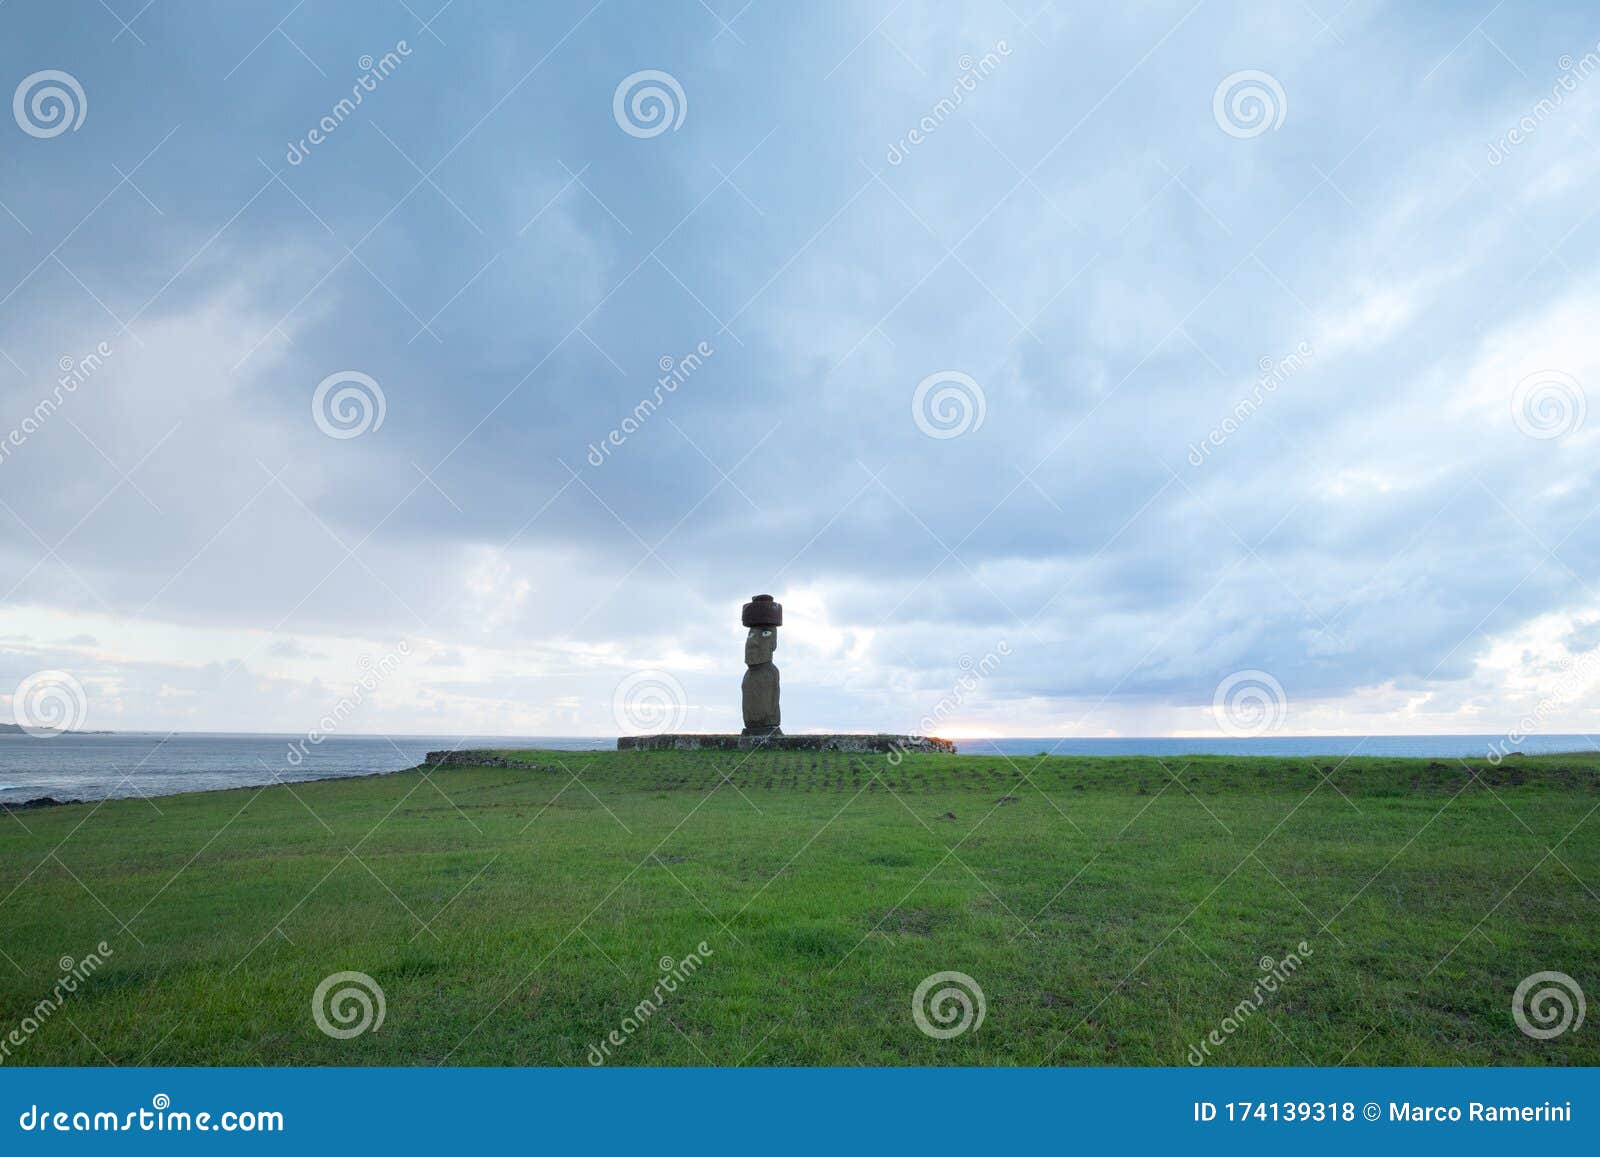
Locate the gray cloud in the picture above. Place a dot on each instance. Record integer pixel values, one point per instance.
(1083, 240)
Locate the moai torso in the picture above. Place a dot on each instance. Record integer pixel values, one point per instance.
(760, 687)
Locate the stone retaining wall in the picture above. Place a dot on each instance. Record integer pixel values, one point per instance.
(469, 757)
(861, 744)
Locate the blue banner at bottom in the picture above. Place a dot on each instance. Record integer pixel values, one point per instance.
(667, 1111)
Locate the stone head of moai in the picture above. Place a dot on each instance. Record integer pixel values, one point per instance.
(759, 645)
(763, 616)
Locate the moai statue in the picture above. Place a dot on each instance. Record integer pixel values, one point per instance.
(760, 687)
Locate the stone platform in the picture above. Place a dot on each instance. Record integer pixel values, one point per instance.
(860, 743)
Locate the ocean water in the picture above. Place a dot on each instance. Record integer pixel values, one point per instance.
(1410, 746)
(132, 764)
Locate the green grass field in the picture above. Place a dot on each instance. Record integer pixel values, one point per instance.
(1113, 911)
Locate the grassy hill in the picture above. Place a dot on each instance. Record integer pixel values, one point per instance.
(1113, 911)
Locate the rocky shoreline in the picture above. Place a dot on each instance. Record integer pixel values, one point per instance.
(469, 757)
(466, 757)
(42, 801)
(47, 801)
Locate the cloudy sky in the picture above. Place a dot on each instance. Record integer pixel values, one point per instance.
(1111, 353)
